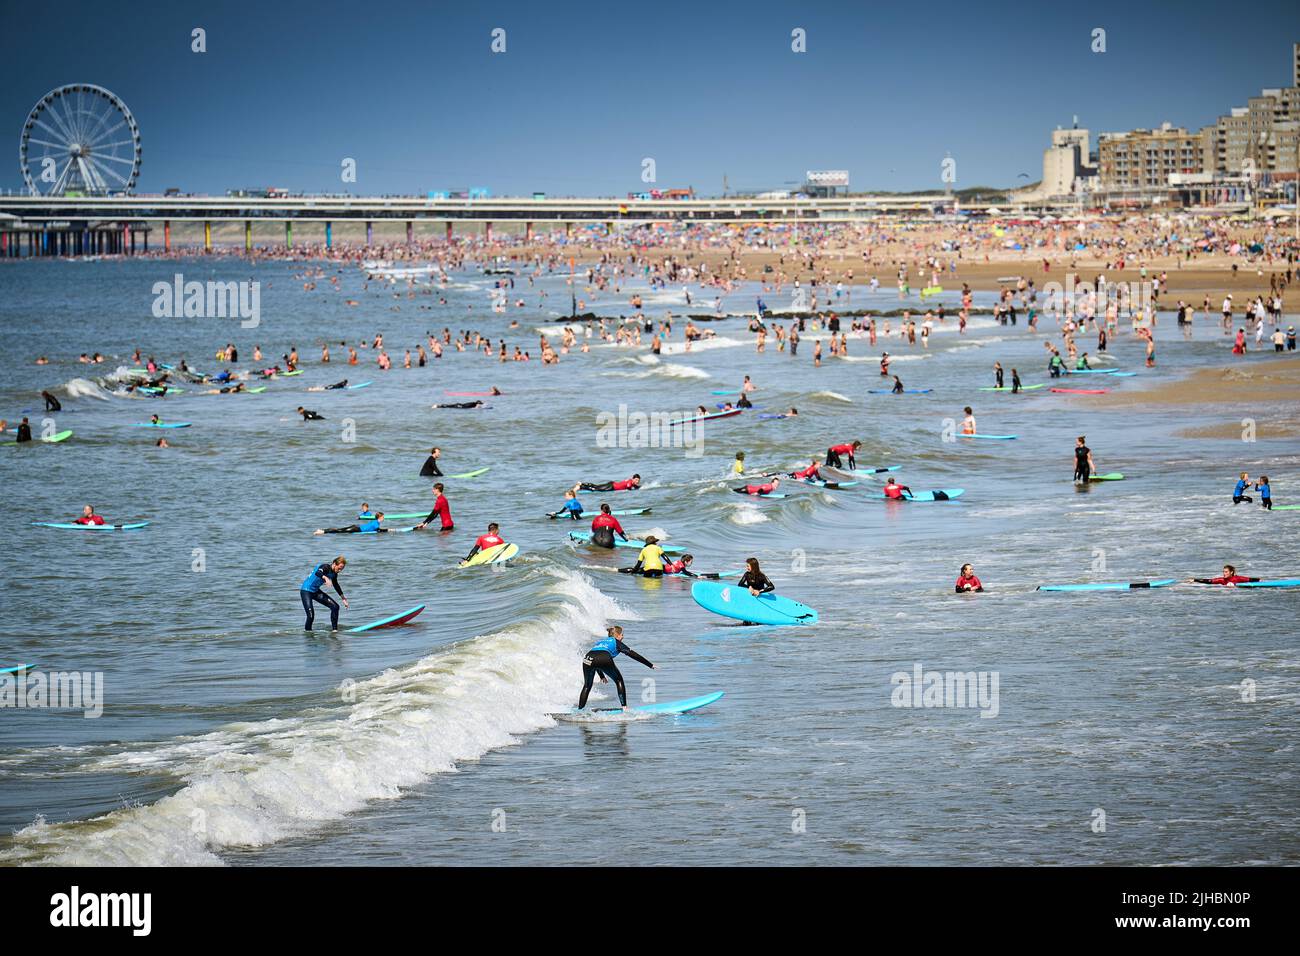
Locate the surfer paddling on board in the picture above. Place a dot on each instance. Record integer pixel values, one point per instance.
(627, 484)
(1230, 578)
(477, 404)
(441, 511)
(766, 488)
(370, 525)
(329, 388)
(849, 451)
(604, 526)
(309, 416)
(485, 541)
(600, 660)
(313, 590)
(812, 471)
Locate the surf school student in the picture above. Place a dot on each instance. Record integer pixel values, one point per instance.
(1055, 364)
(1229, 578)
(485, 541)
(967, 581)
(88, 516)
(627, 484)
(600, 660)
(650, 562)
(1015, 381)
(310, 416)
(764, 489)
(744, 402)
(327, 388)
(430, 467)
(1265, 492)
(895, 490)
(572, 507)
(1082, 363)
(898, 386)
(52, 403)
(24, 431)
(1083, 463)
(997, 374)
(311, 590)
(812, 471)
(849, 451)
(755, 579)
(370, 524)
(1239, 493)
(680, 565)
(477, 404)
(968, 423)
(738, 466)
(604, 526)
(441, 510)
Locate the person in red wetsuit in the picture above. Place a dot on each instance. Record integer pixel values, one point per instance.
(627, 484)
(967, 581)
(763, 489)
(848, 451)
(88, 516)
(603, 528)
(441, 510)
(810, 472)
(894, 490)
(1230, 578)
(485, 541)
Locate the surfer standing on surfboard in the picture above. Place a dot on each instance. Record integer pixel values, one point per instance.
(600, 660)
(311, 590)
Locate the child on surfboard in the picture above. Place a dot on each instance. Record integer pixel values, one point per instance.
(600, 660)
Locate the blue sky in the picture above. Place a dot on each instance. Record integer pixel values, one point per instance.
(585, 91)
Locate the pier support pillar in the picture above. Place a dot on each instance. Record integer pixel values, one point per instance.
(132, 242)
(487, 231)
(528, 232)
(207, 236)
(568, 230)
(288, 234)
(329, 235)
(248, 236)
(410, 233)
(370, 234)
(167, 235)
(449, 225)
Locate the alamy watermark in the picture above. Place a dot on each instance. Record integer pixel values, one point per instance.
(626, 429)
(209, 300)
(951, 689)
(66, 690)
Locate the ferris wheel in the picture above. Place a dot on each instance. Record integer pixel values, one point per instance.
(79, 139)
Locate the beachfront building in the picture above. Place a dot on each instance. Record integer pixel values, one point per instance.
(1135, 167)
(1069, 171)
(1261, 137)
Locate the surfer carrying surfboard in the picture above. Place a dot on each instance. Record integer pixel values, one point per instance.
(600, 660)
(485, 541)
(312, 591)
(754, 579)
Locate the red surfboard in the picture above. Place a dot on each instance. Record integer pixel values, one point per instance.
(389, 621)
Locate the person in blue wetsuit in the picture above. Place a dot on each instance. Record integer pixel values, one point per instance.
(572, 507)
(1239, 493)
(313, 590)
(600, 660)
(1265, 492)
(365, 526)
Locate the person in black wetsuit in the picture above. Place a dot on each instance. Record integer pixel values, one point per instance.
(478, 404)
(600, 660)
(309, 416)
(1015, 382)
(898, 386)
(430, 467)
(329, 388)
(313, 590)
(1083, 465)
(24, 431)
(754, 579)
(51, 403)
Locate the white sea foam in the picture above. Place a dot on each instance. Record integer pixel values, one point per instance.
(251, 784)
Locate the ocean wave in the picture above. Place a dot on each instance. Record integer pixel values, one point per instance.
(252, 784)
(666, 369)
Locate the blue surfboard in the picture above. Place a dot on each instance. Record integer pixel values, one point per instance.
(390, 621)
(942, 494)
(1112, 586)
(645, 710)
(585, 538)
(737, 603)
